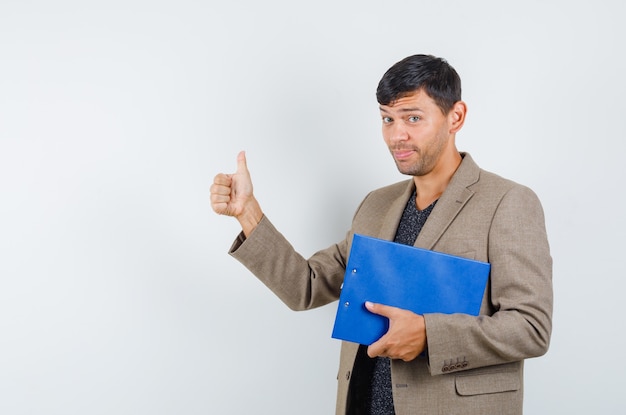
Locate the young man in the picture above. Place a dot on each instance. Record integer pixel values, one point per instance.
(432, 363)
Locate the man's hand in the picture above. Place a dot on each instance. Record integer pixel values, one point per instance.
(231, 195)
(406, 337)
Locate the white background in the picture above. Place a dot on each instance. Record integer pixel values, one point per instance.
(117, 295)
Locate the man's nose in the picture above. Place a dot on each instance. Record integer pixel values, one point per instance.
(399, 132)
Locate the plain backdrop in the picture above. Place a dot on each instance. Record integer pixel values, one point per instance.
(117, 295)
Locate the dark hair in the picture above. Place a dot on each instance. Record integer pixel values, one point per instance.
(432, 74)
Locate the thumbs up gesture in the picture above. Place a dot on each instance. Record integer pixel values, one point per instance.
(231, 195)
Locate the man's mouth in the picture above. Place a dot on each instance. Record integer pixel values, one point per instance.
(402, 154)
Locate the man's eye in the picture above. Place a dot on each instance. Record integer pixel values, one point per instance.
(387, 120)
(414, 118)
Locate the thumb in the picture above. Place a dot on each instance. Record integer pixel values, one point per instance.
(242, 165)
(380, 309)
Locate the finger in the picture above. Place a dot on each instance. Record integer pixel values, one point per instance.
(219, 208)
(219, 202)
(380, 309)
(220, 198)
(377, 349)
(218, 189)
(242, 165)
(223, 179)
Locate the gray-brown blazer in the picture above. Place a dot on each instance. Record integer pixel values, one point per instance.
(473, 365)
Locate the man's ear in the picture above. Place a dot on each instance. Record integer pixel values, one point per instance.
(457, 116)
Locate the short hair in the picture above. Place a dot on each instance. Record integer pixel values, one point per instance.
(432, 74)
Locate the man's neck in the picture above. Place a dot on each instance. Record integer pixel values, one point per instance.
(432, 185)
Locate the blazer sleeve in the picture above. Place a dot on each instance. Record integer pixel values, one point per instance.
(300, 283)
(516, 317)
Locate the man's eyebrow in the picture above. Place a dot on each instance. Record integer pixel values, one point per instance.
(413, 109)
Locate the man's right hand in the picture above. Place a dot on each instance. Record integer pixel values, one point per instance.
(231, 195)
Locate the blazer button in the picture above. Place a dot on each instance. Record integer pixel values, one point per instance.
(348, 375)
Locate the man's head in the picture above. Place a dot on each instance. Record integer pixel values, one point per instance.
(421, 112)
(421, 72)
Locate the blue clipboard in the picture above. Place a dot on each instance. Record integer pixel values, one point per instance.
(407, 277)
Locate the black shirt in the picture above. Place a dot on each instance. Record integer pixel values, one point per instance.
(370, 388)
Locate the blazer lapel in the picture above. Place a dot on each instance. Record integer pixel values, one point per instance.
(394, 213)
(450, 203)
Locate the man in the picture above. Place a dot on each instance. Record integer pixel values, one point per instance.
(432, 363)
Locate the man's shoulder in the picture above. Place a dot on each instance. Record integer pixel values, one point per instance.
(373, 212)
(397, 188)
(385, 195)
(491, 188)
(490, 181)
(380, 200)
(478, 179)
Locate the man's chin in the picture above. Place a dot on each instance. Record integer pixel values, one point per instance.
(408, 170)
(413, 173)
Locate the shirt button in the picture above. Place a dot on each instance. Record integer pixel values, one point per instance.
(348, 375)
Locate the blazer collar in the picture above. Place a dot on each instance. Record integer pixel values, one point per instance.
(447, 208)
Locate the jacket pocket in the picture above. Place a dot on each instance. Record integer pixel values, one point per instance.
(488, 382)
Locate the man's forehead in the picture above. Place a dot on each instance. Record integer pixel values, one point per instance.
(412, 100)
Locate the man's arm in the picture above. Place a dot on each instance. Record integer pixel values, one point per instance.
(300, 283)
(520, 294)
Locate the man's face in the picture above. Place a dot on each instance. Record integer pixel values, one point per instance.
(416, 132)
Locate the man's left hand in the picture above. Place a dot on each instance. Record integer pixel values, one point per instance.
(406, 337)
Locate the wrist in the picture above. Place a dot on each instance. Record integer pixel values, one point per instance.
(250, 217)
